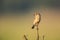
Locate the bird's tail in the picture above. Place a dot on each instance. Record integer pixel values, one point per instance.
(33, 26)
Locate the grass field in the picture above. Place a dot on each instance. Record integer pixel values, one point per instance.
(14, 27)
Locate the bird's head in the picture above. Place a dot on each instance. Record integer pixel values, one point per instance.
(36, 13)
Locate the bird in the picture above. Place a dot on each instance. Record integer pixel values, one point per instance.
(37, 19)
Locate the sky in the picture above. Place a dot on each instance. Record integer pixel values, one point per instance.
(16, 19)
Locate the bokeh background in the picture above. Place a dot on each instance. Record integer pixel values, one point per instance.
(16, 19)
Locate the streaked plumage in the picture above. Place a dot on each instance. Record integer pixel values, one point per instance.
(36, 19)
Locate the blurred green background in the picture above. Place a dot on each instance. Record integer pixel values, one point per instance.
(16, 19)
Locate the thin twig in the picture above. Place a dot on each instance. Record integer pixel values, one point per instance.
(25, 37)
(37, 33)
(43, 37)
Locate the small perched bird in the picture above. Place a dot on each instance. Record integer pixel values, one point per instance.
(37, 18)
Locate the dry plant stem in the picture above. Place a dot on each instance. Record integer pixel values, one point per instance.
(43, 37)
(37, 33)
(25, 37)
